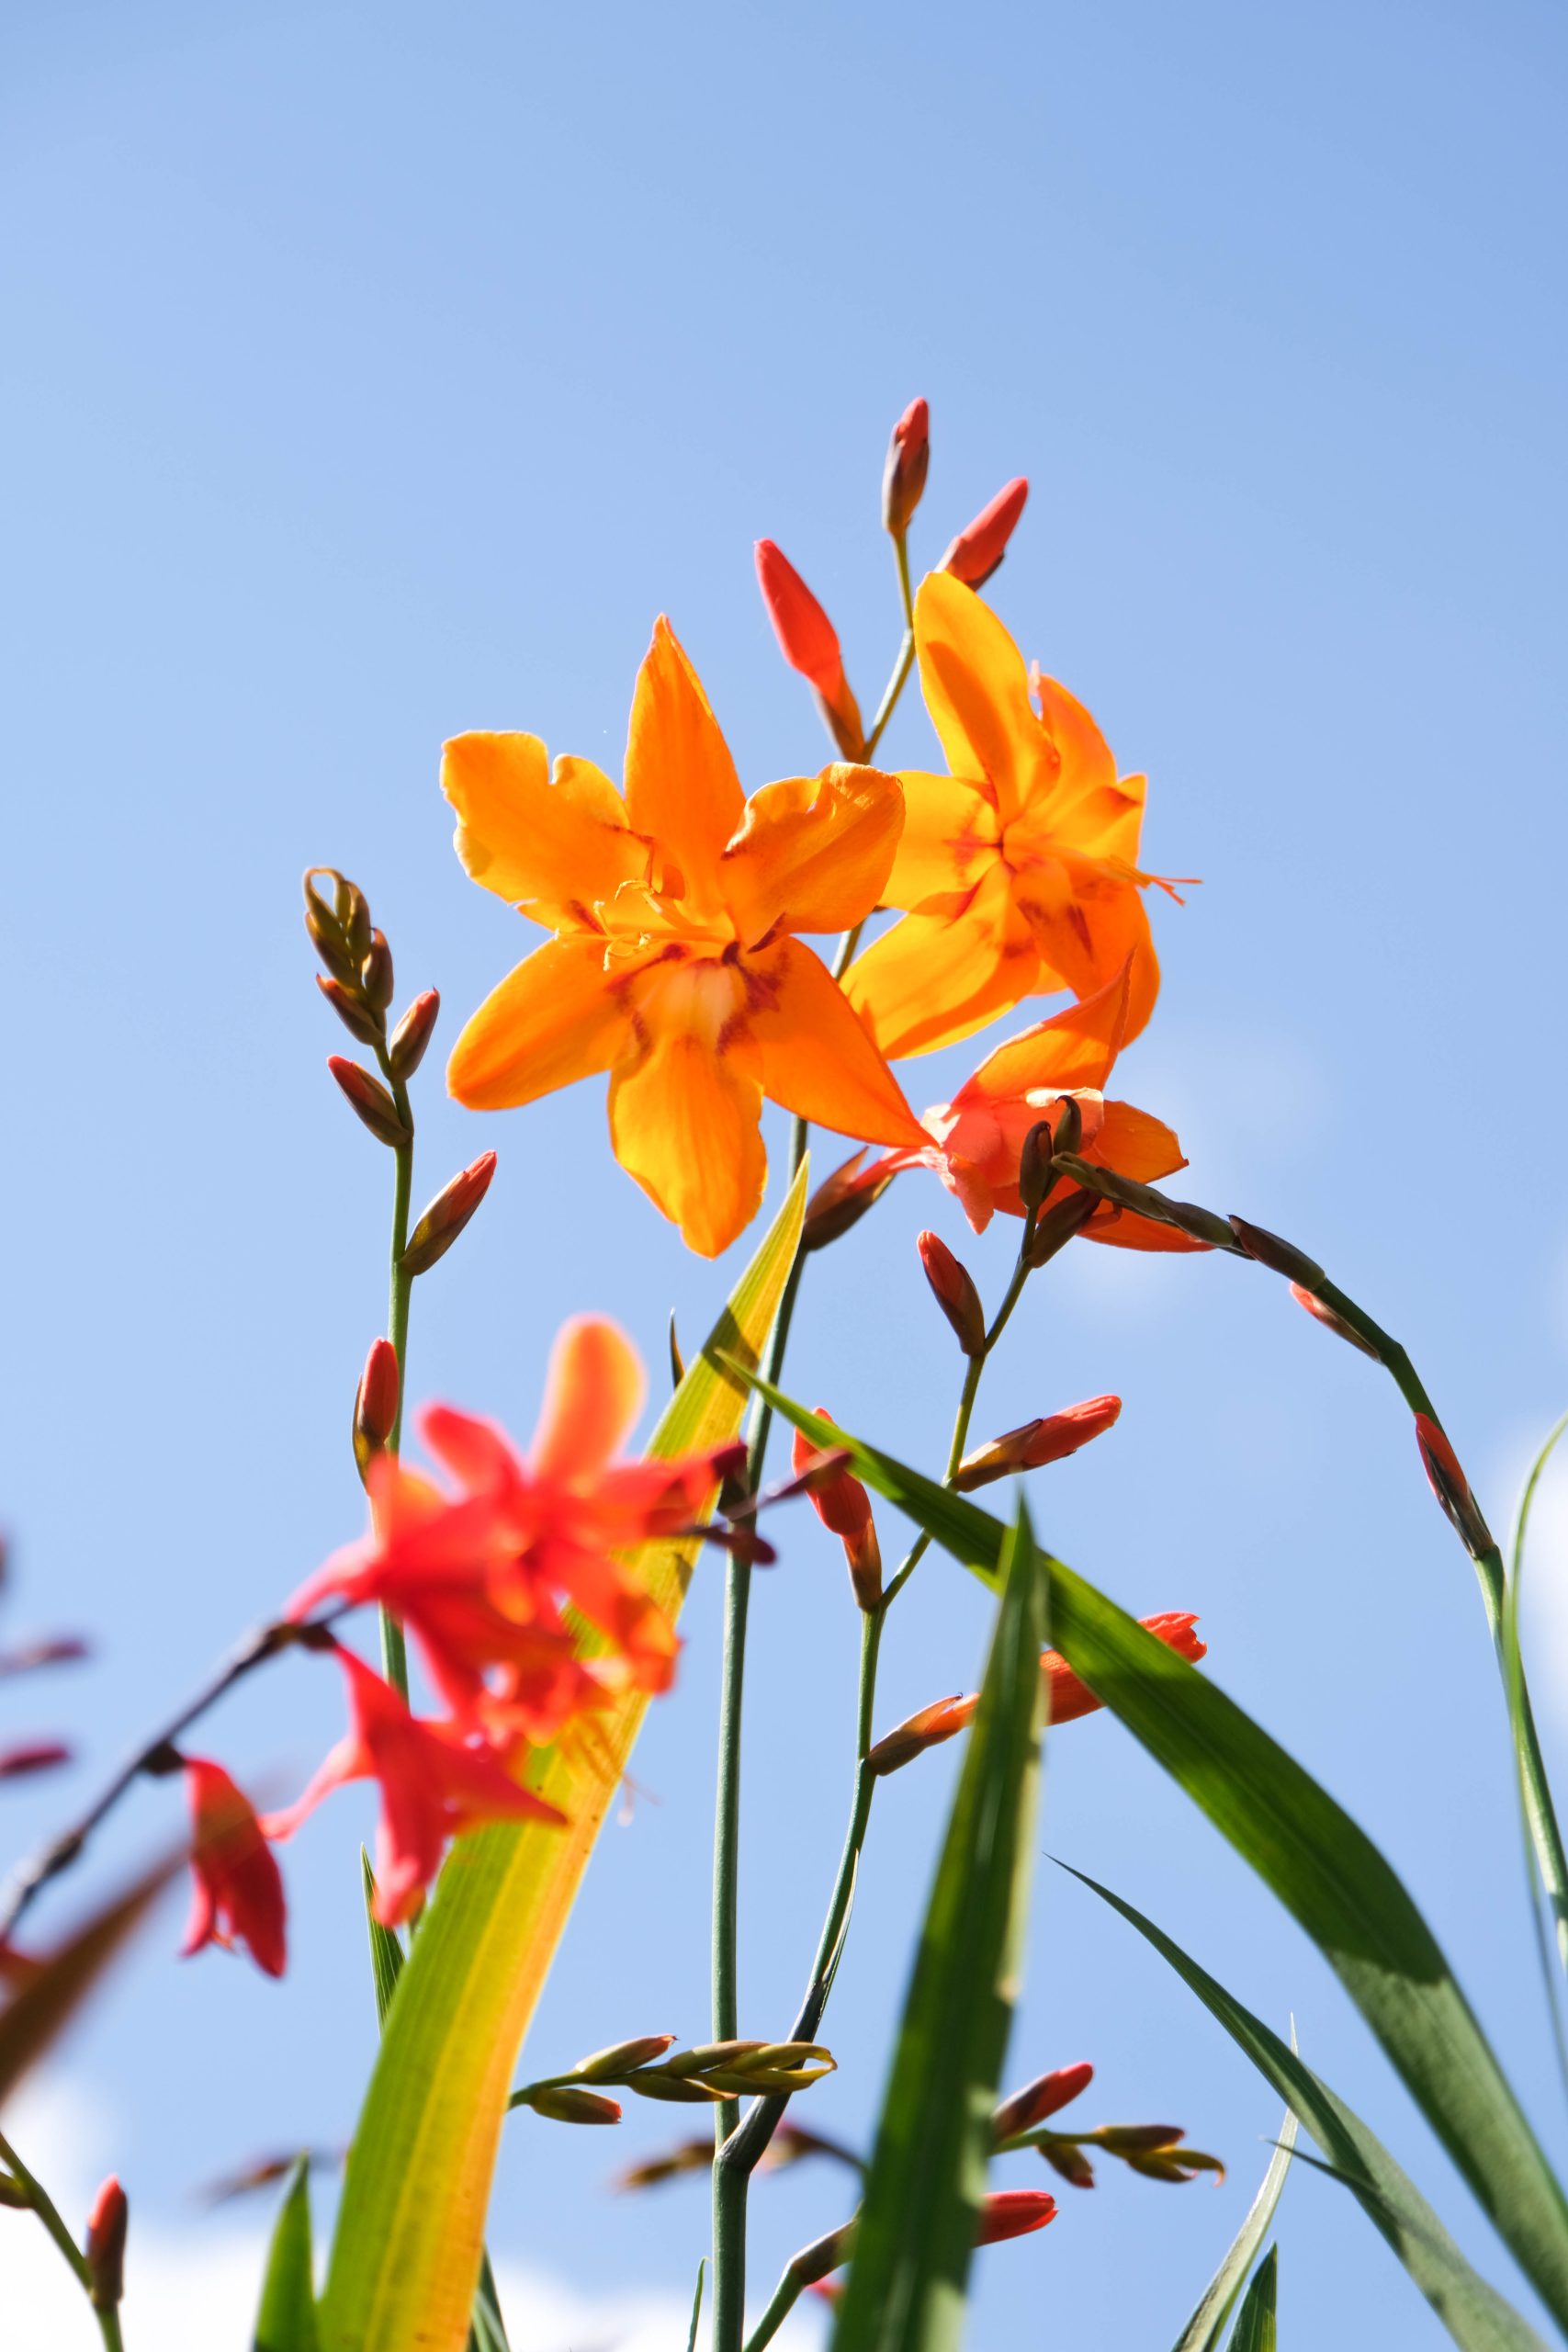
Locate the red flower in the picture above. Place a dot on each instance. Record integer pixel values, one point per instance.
(1070, 1698)
(435, 1784)
(239, 1888)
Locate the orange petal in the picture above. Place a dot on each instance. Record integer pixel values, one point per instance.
(976, 690)
(554, 1019)
(592, 1395)
(684, 1115)
(951, 836)
(1074, 1048)
(681, 782)
(818, 1059)
(552, 848)
(1086, 925)
(813, 852)
(1136, 1144)
(934, 978)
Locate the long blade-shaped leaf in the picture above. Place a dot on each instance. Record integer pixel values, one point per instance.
(1255, 2325)
(1202, 2332)
(1537, 1810)
(407, 2249)
(906, 2288)
(1474, 2312)
(287, 2320)
(1304, 1847)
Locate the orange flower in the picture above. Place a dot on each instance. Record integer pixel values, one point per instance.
(674, 964)
(239, 1888)
(435, 1784)
(976, 1141)
(481, 1577)
(1019, 869)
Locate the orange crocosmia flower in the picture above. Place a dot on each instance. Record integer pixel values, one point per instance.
(481, 1575)
(239, 1888)
(1018, 870)
(975, 1141)
(675, 964)
(436, 1783)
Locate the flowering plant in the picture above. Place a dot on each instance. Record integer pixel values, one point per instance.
(526, 1603)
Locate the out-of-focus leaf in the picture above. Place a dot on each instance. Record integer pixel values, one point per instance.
(1548, 1882)
(53, 1990)
(1202, 2332)
(1473, 2311)
(1255, 2323)
(907, 2283)
(408, 2245)
(287, 2320)
(1304, 1846)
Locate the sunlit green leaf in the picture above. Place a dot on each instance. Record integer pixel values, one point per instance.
(1203, 2331)
(287, 2320)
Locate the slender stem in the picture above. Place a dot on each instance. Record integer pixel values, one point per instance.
(785, 2296)
(394, 1647)
(108, 2326)
(44, 2205)
(902, 667)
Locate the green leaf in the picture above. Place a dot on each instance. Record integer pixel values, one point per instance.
(1548, 1882)
(1254, 2327)
(1202, 2332)
(906, 2288)
(386, 1951)
(287, 2320)
(702, 2266)
(1474, 2312)
(408, 2245)
(1304, 1846)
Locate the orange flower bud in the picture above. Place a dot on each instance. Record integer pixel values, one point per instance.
(809, 643)
(904, 477)
(842, 1199)
(952, 1288)
(1045, 2095)
(1037, 1442)
(927, 1728)
(324, 925)
(370, 1101)
(1450, 1486)
(1068, 1698)
(1013, 2213)
(357, 1017)
(609, 2065)
(448, 1214)
(563, 2104)
(843, 1507)
(375, 1403)
(405, 1047)
(1280, 1257)
(1332, 1321)
(977, 550)
(105, 2248)
(376, 972)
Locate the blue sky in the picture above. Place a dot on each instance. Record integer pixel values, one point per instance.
(379, 373)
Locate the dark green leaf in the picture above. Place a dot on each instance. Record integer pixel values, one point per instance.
(1255, 2324)
(287, 2320)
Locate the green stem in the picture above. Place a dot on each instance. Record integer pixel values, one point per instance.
(108, 2327)
(786, 2294)
(44, 2205)
(394, 1648)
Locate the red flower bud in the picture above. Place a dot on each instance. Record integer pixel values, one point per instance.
(927, 1729)
(1045, 2095)
(1281, 1256)
(1450, 1486)
(809, 643)
(952, 1288)
(370, 1101)
(1331, 1321)
(904, 477)
(977, 550)
(1037, 1442)
(843, 1507)
(105, 2249)
(448, 1214)
(32, 1756)
(842, 1199)
(376, 972)
(356, 1016)
(376, 1403)
(405, 1047)
(1013, 2213)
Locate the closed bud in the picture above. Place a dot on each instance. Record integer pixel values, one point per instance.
(698, 2060)
(809, 643)
(31, 1756)
(1280, 1257)
(952, 1288)
(1013, 2213)
(1070, 2161)
(105, 2249)
(562, 2103)
(904, 476)
(609, 2065)
(1037, 1442)
(324, 925)
(1134, 2139)
(843, 1507)
(979, 549)
(370, 1102)
(358, 1018)
(814, 2262)
(690, 2155)
(375, 1403)
(354, 914)
(1450, 1486)
(1045, 2095)
(841, 1200)
(405, 1047)
(1057, 1225)
(1199, 1223)
(675, 2090)
(927, 1728)
(448, 1214)
(1035, 1173)
(376, 972)
(1331, 1321)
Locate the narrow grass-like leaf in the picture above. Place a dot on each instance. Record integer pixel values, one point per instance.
(407, 2249)
(907, 2283)
(1202, 2332)
(1475, 2314)
(287, 2320)
(1255, 2323)
(1307, 1849)
(702, 2266)
(1535, 1789)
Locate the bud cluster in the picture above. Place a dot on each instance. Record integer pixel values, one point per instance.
(359, 985)
(1153, 2149)
(696, 2077)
